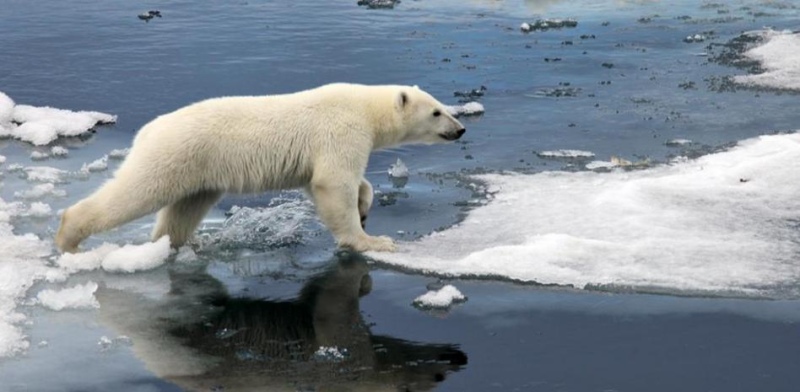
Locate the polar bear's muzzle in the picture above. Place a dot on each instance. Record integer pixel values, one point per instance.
(454, 135)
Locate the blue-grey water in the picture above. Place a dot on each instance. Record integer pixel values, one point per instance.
(89, 55)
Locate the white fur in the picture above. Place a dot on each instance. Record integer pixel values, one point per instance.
(181, 163)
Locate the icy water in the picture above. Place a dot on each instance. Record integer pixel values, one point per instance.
(677, 271)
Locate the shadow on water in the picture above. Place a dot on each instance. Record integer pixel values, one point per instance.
(200, 338)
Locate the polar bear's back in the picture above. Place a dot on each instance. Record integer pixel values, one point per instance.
(256, 143)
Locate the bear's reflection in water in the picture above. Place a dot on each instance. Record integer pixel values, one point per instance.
(201, 339)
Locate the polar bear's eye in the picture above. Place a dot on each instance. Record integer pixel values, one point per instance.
(437, 113)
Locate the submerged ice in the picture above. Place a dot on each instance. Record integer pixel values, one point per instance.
(724, 223)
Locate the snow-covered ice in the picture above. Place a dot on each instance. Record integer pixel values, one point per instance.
(132, 258)
(88, 260)
(722, 223)
(442, 298)
(779, 55)
(42, 125)
(76, 297)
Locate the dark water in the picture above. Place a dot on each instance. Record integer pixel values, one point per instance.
(254, 319)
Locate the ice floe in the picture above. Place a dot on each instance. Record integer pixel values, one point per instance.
(723, 223)
(42, 125)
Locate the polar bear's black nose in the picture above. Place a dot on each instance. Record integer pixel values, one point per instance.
(461, 131)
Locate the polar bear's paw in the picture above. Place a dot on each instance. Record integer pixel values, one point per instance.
(369, 243)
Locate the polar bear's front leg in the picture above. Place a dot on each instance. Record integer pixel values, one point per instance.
(365, 196)
(338, 205)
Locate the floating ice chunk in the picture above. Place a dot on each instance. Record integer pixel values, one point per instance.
(44, 174)
(575, 154)
(467, 109)
(595, 165)
(119, 154)
(2, 159)
(58, 151)
(442, 298)
(331, 354)
(97, 165)
(398, 169)
(39, 191)
(779, 55)
(39, 156)
(15, 167)
(547, 24)
(39, 210)
(694, 38)
(132, 258)
(42, 125)
(89, 260)
(76, 297)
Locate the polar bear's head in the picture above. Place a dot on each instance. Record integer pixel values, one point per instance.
(424, 119)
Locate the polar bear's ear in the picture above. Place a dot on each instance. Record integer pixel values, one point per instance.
(402, 100)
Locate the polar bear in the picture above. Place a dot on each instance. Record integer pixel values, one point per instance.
(320, 139)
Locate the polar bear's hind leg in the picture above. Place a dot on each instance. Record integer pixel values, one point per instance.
(179, 220)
